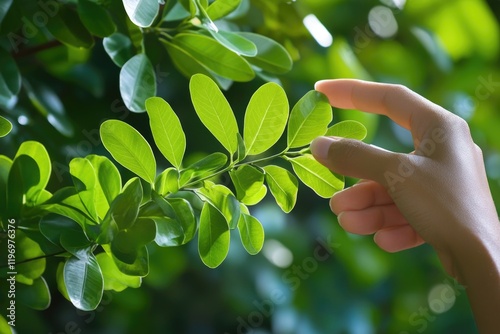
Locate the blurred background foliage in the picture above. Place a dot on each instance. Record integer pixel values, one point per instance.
(311, 276)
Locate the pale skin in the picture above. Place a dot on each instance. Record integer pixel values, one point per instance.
(437, 194)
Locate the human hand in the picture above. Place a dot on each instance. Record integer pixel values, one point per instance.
(437, 194)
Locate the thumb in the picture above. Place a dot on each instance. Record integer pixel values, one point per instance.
(353, 158)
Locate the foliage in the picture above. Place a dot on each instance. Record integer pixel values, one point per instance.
(62, 62)
(98, 219)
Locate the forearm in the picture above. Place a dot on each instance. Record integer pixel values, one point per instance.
(477, 264)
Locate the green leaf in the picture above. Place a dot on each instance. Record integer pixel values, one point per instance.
(249, 184)
(5, 165)
(271, 56)
(48, 104)
(309, 119)
(119, 48)
(220, 8)
(95, 18)
(35, 296)
(167, 130)
(223, 200)
(84, 179)
(214, 111)
(347, 129)
(213, 236)
(27, 250)
(38, 152)
(24, 178)
(189, 65)
(5, 126)
(189, 5)
(142, 12)
(316, 176)
(114, 279)
(167, 181)
(129, 148)
(140, 267)
(68, 29)
(127, 243)
(234, 42)
(75, 242)
(214, 56)
(283, 185)
(125, 208)
(137, 82)
(251, 233)
(241, 153)
(204, 167)
(53, 226)
(265, 118)
(84, 282)
(4, 326)
(10, 84)
(177, 226)
(108, 185)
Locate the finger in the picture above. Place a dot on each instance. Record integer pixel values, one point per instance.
(360, 196)
(371, 220)
(398, 238)
(353, 158)
(399, 103)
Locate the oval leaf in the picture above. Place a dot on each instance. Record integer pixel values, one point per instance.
(265, 118)
(223, 199)
(125, 208)
(251, 233)
(215, 57)
(189, 65)
(142, 12)
(167, 130)
(114, 279)
(271, 56)
(129, 148)
(67, 28)
(309, 119)
(38, 152)
(119, 48)
(283, 185)
(108, 185)
(220, 8)
(95, 18)
(214, 111)
(5, 126)
(36, 295)
(249, 184)
(316, 176)
(84, 282)
(347, 129)
(234, 42)
(213, 236)
(137, 82)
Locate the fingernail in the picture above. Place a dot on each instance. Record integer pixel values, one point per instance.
(321, 145)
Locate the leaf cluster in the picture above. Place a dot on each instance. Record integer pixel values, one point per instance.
(197, 36)
(103, 227)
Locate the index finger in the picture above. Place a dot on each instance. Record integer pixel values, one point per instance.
(403, 106)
